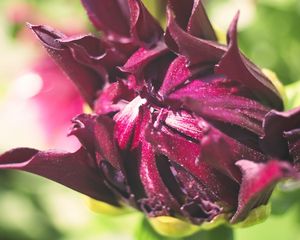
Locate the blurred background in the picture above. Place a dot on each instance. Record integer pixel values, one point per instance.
(32, 89)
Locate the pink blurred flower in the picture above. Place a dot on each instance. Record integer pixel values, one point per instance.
(57, 92)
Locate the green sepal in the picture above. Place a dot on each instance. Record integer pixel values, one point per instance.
(256, 216)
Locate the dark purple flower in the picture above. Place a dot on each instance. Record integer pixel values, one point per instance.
(182, 126)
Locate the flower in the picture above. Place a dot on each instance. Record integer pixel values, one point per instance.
(182, 126)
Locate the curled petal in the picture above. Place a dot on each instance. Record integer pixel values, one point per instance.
(94, 53)
(142, 58)
(279, 129)
(83, 127)
(221, 152)
(112, 16)
(96, 135)
(197, 51)
(258, 182)
(199, 82)
(74, 170)
(182, 11)
(86, 79)
(191, 17)
(144, 28)
(105, 143)
(236, 66)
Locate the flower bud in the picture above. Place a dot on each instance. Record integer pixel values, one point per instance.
(183, 129)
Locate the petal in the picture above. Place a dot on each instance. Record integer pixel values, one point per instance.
(198, 83)
(275, 125)
(293, 138)
(258, 182)
(167, 189)
(169, 178)
(96, 134)
(153, 171)
(105, 142)
(182, 11)
(191, 16)
(120, 168)
(112, 16)
(74, 170)
(236, 66)
(144, 28)
(142, 57)
(154, 72)
(185, 124)
(217, 149)
(184, 150)
(86, 79)
(236, 110)
(83, 129)
(199, 205)
(197, 51)
(126, 122)
(113, 98)
(221, 152)
(126, 47)
(177, 74)
(212, 97)
(94, 53)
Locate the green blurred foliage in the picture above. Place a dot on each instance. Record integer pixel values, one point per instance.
(284, 223)
(292, 92)
(273, 40)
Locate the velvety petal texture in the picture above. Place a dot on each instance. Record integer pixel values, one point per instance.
(87, 80)
(112, 17)
(181, 125)
(258, 181)
(144, 28)
(236, 66)
(75, 170)
(281, 138)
